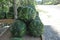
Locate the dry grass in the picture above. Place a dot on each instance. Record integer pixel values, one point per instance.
(7, 21)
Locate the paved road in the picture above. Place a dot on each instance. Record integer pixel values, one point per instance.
(50, 16)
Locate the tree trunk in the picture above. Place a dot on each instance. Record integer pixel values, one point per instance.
(15, 9)
(42, 1)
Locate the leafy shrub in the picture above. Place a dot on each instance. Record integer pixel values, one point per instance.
(26, 13)
(2, 15)
(36, 27)
(10, 14)
(18, 28)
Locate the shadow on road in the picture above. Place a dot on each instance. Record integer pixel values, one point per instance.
(50, 33)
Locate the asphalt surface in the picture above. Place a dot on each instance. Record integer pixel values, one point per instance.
(50, 16)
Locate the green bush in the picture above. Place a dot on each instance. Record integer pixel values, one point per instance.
(2, 15)
(26, 13)
(18, 28)
(10, 14)
(19, 9)
(36, 27)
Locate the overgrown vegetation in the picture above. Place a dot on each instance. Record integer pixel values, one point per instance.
(18, 28)
(26, 18)
(49, 2)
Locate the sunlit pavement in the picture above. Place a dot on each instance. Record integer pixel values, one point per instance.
(50, 16)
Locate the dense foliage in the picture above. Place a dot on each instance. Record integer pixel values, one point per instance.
(2, 15)
(25, 16)
(36, 27)
(10, 14)
(48, 2)
(26, 13)
(27, 2)
(18, 28)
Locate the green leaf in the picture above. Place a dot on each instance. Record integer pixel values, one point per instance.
(1, 0)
